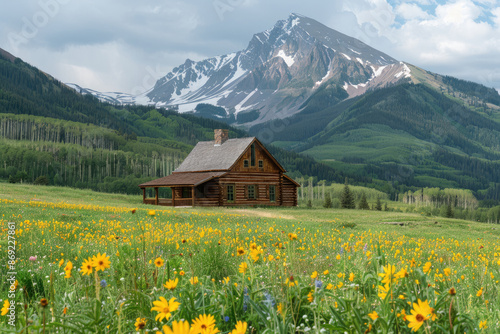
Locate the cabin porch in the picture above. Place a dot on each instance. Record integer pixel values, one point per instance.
(180, 196)
(183, 189)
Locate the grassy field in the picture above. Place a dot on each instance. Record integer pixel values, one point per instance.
(259, 270)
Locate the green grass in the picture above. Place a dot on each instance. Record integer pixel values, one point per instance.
(28, 192)
(346, 249)
(364, 220)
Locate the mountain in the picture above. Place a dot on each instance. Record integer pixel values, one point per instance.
(107, 97)
(277, 72)
(282, 70)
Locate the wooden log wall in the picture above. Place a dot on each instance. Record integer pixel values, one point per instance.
(207, 194)
(268, 165)
(289, 190)
(262, 181)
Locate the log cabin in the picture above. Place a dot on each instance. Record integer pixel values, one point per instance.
(226, 172)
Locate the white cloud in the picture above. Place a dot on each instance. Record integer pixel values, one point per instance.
(496, 17)
(116, 45)
(113, 66)
(411, 11)
(420, 2)
(378, 14)
(459, 12)
(452, 39)
(449, 35)
(452, 42)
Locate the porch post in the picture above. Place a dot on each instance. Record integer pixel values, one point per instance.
(221, 194)
(280, 189)
(143, 195)
(192, 195)
(156, 195)
(173, 196)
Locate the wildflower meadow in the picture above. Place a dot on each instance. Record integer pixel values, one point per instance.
(108, 266)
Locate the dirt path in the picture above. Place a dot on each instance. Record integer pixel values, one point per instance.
(261, 213)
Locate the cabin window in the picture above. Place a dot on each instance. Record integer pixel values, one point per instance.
(252, 155)
(261, 164)
(251, 192)
(186, 192)
(230, 192)
(272, 193)
(245, 163)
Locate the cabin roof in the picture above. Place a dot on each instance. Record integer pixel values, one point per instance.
(291, 180)
(206, 156)
(182, 179)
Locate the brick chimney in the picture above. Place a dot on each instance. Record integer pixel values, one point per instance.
(220, 136)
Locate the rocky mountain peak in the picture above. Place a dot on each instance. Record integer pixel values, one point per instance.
(280, 69)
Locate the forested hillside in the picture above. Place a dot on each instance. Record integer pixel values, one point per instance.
(49, 134)
(473, 90)
(80, 155)
(409, 136)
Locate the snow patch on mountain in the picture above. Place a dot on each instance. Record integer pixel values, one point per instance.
(185, 107)
(107, 97)
(238, 74)
(288, 59)
(240, 106)
(360, 85)
(193, 87)
(381, 76)
(356, 52)
(377, 71)
(75, 87)
(348, 58)
(226, 60)
(406, 72)
(318, 83)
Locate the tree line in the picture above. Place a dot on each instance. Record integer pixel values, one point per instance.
(80, 167)
(437, 197)
(449, 203)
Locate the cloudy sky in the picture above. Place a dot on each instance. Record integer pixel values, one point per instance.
(125, 45)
